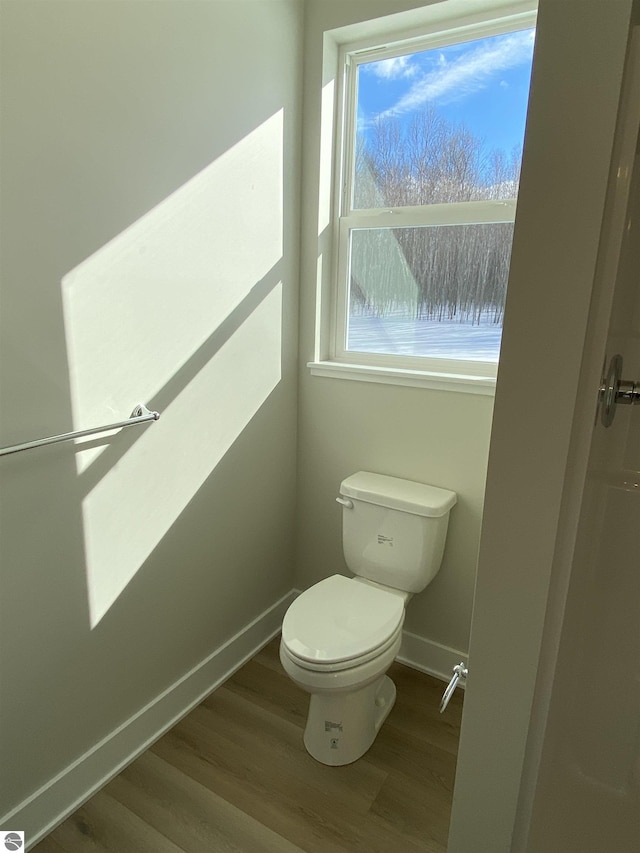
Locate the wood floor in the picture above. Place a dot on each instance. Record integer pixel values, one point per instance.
(234, 777)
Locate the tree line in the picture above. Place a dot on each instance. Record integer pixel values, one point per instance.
(440, 272)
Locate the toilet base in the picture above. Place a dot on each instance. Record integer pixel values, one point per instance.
(342, 726)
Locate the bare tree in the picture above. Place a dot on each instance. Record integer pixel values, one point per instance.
(444, 272)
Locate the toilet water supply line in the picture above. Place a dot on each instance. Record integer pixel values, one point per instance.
(459, 671)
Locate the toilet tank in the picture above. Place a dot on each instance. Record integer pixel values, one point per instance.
(394, 530)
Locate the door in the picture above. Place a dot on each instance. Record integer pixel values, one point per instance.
(537, 594)
(587, 797)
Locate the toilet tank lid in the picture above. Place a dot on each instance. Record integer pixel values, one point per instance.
(395, 493)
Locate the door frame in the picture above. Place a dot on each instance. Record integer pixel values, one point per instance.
(554, 336)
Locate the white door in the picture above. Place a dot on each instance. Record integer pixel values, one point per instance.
(587, 797)
(548, 758)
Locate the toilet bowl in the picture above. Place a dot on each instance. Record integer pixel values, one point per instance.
(340, 636)
(338, 641)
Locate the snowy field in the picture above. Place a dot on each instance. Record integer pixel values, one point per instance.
(441, 339)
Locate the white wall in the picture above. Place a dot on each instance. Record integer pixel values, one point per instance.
(436, 437)
(150, 185)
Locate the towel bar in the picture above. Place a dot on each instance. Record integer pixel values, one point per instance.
(141, 414)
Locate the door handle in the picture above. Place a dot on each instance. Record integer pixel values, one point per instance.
(614, 390)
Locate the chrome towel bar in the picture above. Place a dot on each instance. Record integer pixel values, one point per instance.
(141, 414)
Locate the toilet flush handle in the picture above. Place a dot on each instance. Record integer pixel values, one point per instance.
(345, 502)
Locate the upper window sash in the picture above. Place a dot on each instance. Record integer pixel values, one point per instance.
(352, 56)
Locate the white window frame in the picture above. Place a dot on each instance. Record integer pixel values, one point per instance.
(454, 374)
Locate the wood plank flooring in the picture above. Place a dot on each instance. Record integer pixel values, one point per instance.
(233, 776)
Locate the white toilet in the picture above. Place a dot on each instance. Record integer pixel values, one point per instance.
(340, 636)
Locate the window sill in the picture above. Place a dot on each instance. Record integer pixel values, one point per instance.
(467, 384)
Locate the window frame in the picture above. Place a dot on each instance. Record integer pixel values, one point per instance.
(421, 370)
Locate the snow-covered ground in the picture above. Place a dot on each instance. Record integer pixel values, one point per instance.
(442, 339)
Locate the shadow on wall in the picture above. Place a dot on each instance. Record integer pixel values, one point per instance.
(181, 311)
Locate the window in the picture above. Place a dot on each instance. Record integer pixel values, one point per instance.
(427, 176)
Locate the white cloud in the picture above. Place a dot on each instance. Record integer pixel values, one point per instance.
(468, 73)
(392, 69)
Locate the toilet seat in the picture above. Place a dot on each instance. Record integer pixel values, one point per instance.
(339, 623)
(353, 665)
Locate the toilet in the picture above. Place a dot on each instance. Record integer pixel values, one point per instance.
(341, 635)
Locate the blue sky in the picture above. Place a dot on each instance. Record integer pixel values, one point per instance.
(484, 83)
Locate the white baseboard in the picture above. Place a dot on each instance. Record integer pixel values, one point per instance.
(429, 656)
(40, 813)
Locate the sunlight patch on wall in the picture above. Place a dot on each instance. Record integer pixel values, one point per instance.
(140, 306)
(127, 514)
(326, 154)
(182, 312)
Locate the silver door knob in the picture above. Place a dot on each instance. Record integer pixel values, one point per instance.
(614, 390)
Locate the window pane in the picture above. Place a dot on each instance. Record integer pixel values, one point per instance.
(436, 291)
(443, 125)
